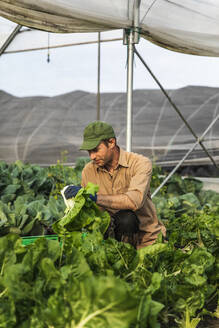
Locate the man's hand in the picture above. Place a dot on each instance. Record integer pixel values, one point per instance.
(71, 191)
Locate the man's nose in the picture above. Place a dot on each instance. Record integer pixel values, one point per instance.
(92, 155)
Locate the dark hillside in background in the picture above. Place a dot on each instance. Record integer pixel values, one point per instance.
(38, 129)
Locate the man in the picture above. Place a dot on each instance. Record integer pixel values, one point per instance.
(124, 186)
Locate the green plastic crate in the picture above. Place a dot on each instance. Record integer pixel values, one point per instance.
(30, 239)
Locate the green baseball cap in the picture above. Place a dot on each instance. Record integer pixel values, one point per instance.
(94, 133)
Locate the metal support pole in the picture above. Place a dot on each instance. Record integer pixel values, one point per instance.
(175, 107)
(10, 39)
(131, 36)
(98, 79)
(186, 155)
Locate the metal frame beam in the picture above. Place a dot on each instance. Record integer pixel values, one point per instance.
(198, 139)
(61, 46)
(186, 155)
(10, 39)
(176, 108)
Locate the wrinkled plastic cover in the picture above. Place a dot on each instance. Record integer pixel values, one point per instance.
(187, 26)
(31, 39)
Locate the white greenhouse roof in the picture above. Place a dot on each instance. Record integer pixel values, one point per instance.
(187, 26)
(31, 39)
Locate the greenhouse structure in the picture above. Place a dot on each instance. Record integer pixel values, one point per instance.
(58, 269)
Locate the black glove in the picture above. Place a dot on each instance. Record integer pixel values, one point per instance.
(93, 197)
(71, 191)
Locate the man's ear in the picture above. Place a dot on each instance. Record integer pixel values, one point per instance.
(112, 142)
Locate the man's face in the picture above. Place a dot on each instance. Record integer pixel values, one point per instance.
(102, 154)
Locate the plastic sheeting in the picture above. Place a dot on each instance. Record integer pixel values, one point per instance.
(31, 39)
(187, 26)
(39, 129)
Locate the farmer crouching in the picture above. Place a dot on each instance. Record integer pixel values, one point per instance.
(124, 187)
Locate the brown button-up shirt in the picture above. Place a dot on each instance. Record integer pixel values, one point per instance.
(132, 178)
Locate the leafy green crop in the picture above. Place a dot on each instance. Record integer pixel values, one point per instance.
(30, 199)
(49, 296)
(85, 214)
(83, 280)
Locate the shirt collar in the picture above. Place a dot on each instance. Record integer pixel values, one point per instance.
(122, 158)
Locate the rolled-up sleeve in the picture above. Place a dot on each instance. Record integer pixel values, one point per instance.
(140, 182)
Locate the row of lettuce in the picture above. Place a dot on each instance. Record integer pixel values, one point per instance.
(82, 280)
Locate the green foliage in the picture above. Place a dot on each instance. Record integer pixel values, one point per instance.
(30, 215)
(45, 291)
(30, 199)
(84, 215)
(62, 175)
(83, 280)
